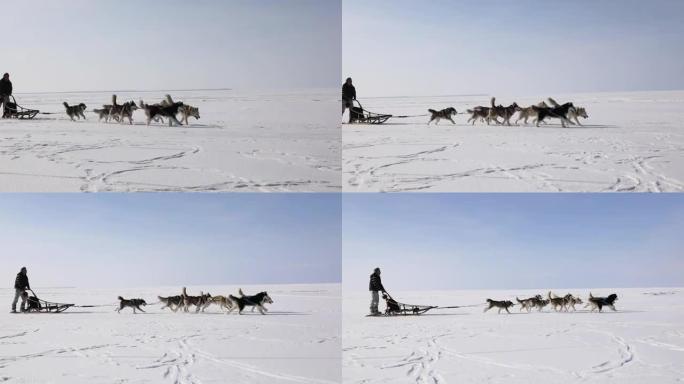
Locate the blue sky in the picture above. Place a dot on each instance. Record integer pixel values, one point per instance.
(527, 47)
(508, 241)
(134, 240)
(73, 45)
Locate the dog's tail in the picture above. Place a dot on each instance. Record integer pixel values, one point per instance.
(65, 104)
(553, 102)
(185, 293)
(493, 100)
(591, 296)
(121, 298)
(169, 99)
(432, 111)
(518, 300)
(113, 99)
(240, 292)
(549, 294)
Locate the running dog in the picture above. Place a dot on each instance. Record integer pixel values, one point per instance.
(528, 303)
(221, 301)
(479, 113)
(198, 301)
(541, 304)
(187, 111)
(573, 113)
(529, 112)
(171, 302)
(558, 303)
(505, 113)
(153, 111)
(571, 301)
(243, 301)
(576, 113)
(445, 114)
(505, 304)
(75, 111)
(131, 303)
(127, 110)
(103, 113)
(600, 302)
(556, 111)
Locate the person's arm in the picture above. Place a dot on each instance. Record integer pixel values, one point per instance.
(354, 93)
(27, 284)
(10, 87)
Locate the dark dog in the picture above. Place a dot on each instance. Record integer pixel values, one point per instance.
(505, 113)
(600, 302)
(131, 303)
(556, 111)
(443, 114)
(172, 302)
(243, 301)
(154, 111)
(75, 111)
(392, 305)
(505, 304)
(479, 113)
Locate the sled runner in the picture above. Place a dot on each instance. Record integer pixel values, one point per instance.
(16, 111)
(359, 115)
(34, 304)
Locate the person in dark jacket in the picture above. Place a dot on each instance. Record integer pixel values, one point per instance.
(5, 92)
(375, 286)
(21, 284)
(348, 94)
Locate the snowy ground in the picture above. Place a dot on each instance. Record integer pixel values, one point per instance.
(243, 142)
(631, 142)
(641, 343)
(298, 341)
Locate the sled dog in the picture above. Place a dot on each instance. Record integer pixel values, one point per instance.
(504, 304)
(445, 114)
(131, 303)
(75, 111)
(257, 301)
(600, 302)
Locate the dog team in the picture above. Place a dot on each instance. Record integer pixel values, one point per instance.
(204, 300)
(567, 113)
(166, 109)
(558, 304)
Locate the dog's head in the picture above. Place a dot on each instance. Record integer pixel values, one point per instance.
(266, 298)
(82, 107)
(141, 302)
(193, 112)
(611, 298)
(582, 112)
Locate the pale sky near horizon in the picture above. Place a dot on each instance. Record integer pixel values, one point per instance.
(513, 241)
(500, 47)
(136, 240)
(97, 45)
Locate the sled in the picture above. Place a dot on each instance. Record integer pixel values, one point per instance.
(34, 304)
(395, 308)
(16, 111)
(358, 115)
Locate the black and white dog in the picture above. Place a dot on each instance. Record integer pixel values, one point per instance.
(445, 114)
(600, 302)
(257, 301)
(131, 303)
(75, 111)
(504, 304)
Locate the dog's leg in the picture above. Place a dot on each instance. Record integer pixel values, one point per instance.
(140, 309)
(506, 308)
(452, 120)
